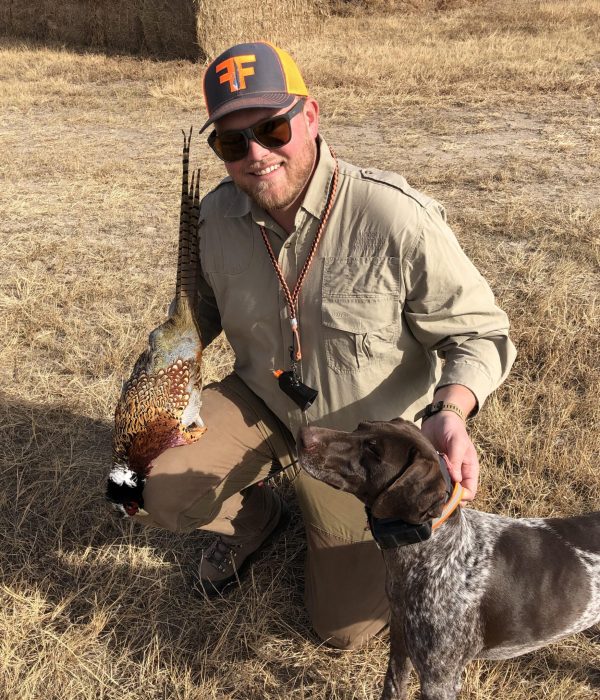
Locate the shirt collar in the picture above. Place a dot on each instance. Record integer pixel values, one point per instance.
(260, 217)
(318, 189)
(240, 204)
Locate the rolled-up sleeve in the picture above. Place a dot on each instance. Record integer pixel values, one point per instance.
(451, 310)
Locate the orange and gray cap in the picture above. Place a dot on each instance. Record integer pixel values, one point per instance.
(251, 75)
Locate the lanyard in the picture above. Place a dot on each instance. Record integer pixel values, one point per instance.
(292, 297)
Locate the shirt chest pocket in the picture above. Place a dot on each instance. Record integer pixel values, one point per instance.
(360, 312)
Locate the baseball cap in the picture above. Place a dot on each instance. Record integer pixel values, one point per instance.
(256, 74)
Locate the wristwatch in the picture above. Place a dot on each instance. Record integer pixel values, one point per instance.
(433, 408)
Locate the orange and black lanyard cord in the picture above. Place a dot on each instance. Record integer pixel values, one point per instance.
(292, 297)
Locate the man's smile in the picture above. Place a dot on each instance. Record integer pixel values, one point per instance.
(266, 171)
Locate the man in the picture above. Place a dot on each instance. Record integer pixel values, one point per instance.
(361, 277)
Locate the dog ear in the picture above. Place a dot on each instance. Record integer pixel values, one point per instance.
(416, 496)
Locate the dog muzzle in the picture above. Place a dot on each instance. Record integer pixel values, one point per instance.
(393, 532)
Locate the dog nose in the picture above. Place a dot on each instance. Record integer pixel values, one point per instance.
(306, 438)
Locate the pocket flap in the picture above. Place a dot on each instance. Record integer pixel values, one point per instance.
(359, 315)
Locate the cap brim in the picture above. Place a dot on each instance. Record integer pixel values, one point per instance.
(270, 100)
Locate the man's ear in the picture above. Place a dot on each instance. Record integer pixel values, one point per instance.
(311, 116)
(417, 495)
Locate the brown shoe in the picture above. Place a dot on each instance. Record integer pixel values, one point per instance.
(226, 559)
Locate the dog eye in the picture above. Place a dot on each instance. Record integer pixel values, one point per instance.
(371, 446)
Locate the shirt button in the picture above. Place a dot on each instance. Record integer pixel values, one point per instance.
(287, 245)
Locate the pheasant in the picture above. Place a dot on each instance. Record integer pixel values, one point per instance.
(159, 406)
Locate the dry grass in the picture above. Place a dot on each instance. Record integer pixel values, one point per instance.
(492, 109)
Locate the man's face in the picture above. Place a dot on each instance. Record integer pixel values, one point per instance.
(275, 178)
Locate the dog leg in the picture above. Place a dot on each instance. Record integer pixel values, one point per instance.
(443, 684)
(435, 691)
(398, 672)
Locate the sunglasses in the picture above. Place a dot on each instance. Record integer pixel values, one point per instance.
(273, 132)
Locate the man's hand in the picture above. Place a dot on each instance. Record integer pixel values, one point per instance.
(448, 433)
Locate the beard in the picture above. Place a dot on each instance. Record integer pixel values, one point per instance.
(281, 195)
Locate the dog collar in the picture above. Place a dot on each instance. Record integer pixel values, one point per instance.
(393, 532)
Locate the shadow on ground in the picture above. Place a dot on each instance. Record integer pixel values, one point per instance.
(59, 540)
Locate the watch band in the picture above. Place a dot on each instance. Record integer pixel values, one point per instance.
(433, 408)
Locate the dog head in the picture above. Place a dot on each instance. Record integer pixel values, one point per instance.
(390, 466)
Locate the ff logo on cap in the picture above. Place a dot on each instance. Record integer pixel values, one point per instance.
(235, 72)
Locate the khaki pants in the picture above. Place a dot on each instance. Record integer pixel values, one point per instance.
(198, 486)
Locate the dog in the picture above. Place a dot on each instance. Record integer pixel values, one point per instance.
(464, 585)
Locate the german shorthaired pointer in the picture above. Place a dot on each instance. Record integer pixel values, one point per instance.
(479, 585)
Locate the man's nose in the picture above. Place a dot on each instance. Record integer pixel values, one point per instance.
(256, 151)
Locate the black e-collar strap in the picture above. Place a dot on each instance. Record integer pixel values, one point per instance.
(393, 532)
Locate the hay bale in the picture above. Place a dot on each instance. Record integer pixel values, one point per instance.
(169, 28)
(222, 23)
(161, 28)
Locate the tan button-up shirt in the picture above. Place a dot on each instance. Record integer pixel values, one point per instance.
(390, 308)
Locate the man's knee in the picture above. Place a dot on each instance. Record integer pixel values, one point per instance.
(345, 589)
(189, 485)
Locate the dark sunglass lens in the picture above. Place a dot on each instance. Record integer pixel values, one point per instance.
(273, 133)
(231, 145)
